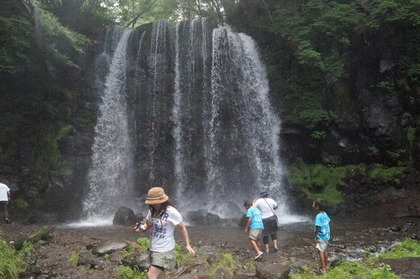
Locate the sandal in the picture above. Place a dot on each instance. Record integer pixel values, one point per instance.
(258, 256)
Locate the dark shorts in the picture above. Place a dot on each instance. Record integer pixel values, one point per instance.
(270, 225)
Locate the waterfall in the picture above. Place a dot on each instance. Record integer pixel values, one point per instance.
(243, 129)
(184, 106)
(111, 176)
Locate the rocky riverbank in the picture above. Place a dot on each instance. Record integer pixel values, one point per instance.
(101, 249)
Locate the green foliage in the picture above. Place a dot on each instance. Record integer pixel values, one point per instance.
(126, 272)
(11, 263)
(226, 263)
(310, 111)
(381, 174)
(144, 243)
(373, 150)
(406, 249)
(129, 250)
(15, 50)
(74, 257)
(181, 256)
(318, 135)
(21, 204)
(367, 268)
(64, 131)
(411, 134)
(46, 158)
(27, 248)
(321, 32)
(56, 39)
(361, 270)
(319, 181)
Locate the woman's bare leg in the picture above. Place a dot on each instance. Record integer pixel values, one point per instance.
(155, 273)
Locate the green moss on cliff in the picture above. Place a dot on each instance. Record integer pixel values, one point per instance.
(320, 181)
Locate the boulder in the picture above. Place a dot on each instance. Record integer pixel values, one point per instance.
(124, 216)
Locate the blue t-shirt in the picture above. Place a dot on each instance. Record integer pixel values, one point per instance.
(255, 214)
(322, 220)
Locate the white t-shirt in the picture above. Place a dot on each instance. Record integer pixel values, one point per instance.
(162, 231)
(3, 192)
(266, 206)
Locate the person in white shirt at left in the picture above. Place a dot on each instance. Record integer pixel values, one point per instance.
(4, 200)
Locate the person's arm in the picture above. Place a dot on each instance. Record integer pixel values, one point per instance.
(184, 232)
(8, 195)
(275, 205)
(248, 222)
(317, 229)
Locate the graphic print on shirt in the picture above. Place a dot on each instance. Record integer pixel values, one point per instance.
(159, 225)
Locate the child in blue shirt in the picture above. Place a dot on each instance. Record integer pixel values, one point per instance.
(255, 226)
(322, 232)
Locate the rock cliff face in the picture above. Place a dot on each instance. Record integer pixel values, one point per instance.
(365, 125)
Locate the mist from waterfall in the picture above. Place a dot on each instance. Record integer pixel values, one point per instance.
(187, 107)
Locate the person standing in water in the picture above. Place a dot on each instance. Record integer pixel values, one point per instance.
(254, 227)
(162, 219)
(321, 232)
(267, 206)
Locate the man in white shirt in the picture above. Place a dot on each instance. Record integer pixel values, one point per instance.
(4, 200)
(267, 206)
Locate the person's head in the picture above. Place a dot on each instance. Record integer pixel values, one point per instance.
(318, 204)
(264, 194)
(248, 204)
(157, 199)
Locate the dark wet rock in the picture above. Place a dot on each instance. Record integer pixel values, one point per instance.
(87, 260)
(124, 216)
(268, 270)
(203, 218)
(407, 268)
(298, 266)
(137, 259)
(108, 247)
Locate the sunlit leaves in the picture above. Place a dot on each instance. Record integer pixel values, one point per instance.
(15, 47)
(56, 38)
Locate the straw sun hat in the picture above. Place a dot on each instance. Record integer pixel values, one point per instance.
(156, 195)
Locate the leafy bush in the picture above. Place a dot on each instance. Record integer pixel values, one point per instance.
(144, 243)
(408, 248)
(11, 263)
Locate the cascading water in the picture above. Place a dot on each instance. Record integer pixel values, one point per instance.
(185, 107)
(111, 175)
(243, 129)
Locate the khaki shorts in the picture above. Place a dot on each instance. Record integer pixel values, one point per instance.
(167, 260)
(255, 234)
(322, 245)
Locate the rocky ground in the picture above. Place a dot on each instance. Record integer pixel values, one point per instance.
(52, 253)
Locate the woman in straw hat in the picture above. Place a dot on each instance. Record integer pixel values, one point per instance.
(162, 219)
